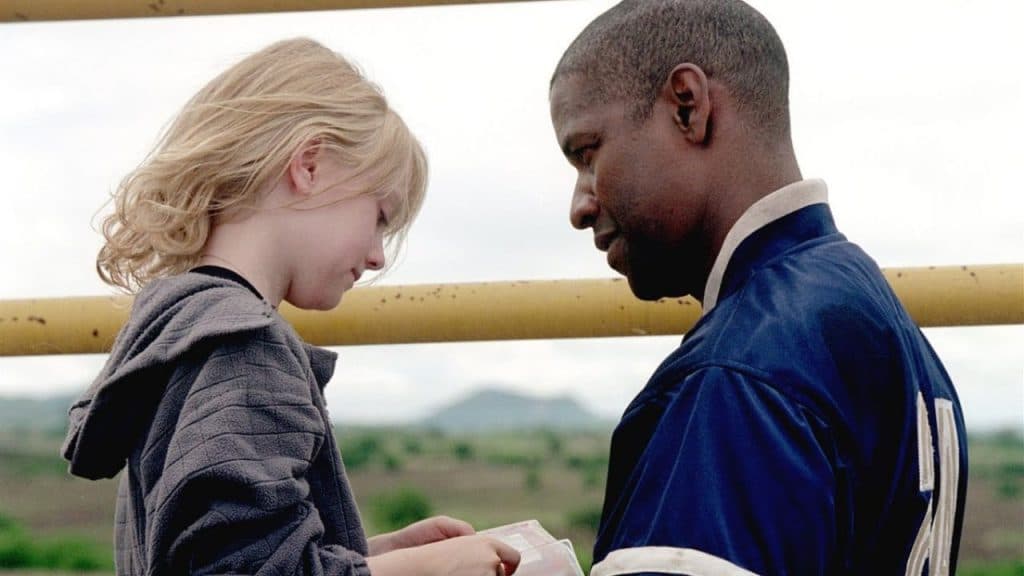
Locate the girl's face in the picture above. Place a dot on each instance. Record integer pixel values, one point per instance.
(338, 235)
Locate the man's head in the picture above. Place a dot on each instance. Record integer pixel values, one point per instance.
(661, 106)
(629, 51)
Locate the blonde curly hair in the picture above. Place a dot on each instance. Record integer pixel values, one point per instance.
(235, 137)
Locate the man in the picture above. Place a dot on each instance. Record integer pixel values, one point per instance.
(804, 425)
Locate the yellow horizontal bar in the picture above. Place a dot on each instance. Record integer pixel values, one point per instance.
(935, 296)
(44, 10)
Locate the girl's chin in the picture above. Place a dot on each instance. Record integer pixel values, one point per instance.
(321, 302)
(331, 303)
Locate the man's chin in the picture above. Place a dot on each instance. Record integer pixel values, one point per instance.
(647, 290)
(656, 286)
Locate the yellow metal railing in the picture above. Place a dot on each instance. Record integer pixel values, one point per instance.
(934, 296)
(45, 10)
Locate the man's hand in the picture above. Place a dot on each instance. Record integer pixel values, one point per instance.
(419, 533)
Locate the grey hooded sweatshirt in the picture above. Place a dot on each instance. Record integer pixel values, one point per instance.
(215, 408)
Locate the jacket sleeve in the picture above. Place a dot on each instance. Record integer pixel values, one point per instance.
(232, 494)
(737, 479)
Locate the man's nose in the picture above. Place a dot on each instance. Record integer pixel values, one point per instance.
(584, 209)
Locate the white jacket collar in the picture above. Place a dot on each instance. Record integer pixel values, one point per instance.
(782, 202)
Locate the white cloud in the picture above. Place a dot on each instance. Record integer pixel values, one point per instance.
(41, 376)
(986, 365)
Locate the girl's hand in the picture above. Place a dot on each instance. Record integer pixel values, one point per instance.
(419, 533)
(460, 556)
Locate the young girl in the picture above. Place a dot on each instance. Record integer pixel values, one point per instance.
(280, 180)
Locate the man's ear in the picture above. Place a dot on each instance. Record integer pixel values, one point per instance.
(687, 89)
(303, 169)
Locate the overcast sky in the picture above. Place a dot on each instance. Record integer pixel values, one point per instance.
(911, 111)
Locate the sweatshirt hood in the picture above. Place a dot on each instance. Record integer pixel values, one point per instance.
(171, 318)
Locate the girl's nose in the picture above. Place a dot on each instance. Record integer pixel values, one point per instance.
(375, 259)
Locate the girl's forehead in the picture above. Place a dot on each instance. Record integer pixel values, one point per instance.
(398, 190)
(388, 201)
(393, 203)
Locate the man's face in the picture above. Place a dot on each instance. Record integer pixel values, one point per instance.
(633, 188)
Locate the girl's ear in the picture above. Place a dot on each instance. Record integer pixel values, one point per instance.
(303, 169)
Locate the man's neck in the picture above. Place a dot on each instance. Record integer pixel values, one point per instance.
(746, 182)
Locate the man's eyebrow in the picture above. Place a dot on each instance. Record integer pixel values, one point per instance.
(572, 139)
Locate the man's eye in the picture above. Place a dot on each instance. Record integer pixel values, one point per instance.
(583, 154)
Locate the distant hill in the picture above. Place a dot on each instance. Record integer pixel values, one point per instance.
(37, 414)
(486, 410)
(492, 409)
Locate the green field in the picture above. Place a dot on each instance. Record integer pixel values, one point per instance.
(52, 523)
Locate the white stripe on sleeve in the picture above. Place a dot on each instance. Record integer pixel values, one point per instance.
(666, 560)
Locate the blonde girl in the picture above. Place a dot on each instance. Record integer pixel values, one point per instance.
(281, 180)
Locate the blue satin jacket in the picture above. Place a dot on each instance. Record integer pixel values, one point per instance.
(804, 425)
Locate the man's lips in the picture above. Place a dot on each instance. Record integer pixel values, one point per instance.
(604, 239)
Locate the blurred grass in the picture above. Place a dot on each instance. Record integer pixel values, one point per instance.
(64, 525)
(18, 549)
(997, 569)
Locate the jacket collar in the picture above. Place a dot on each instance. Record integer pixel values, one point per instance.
(322, 362)
(751, 239)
